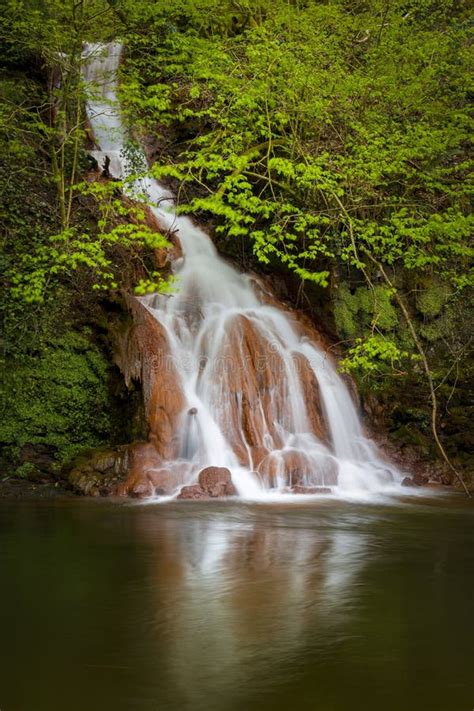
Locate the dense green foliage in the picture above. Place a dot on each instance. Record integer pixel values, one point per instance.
(55, 384)
(66, 242)
(324, 132)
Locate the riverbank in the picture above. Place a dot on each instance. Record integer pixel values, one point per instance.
(16, 488)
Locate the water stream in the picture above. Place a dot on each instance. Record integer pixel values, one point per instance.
(260, 395)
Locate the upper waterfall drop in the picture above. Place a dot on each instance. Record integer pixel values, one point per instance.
(243, 384)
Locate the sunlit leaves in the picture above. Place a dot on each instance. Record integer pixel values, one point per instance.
(375, 355)
(120, 223)
(306, 116)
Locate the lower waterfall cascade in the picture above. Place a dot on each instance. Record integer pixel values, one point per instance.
(231, 378)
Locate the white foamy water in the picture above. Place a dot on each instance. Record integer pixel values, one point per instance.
(202, 321)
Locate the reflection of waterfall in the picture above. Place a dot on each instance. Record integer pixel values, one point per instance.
(268, 403)
(246, 592)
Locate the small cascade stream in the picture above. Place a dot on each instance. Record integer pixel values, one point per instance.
(255, 391)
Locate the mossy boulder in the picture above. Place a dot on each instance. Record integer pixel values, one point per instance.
(102, 472)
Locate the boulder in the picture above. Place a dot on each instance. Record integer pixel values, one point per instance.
(420, 479)
(214, 483)
(417, 479)
(192, 492)
(310, 388)
(217, 481)
(142, 490)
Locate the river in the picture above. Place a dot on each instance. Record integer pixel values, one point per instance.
(226, 606)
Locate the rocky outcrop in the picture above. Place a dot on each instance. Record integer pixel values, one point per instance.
(143, 354)
(102, 473)
(142, 479)
(310, 388)
(134, 470)
(250, 374)
(137, 470)
(416, 480)
(409, 458)
(214, 482)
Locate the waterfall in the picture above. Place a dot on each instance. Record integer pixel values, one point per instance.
(256, 393)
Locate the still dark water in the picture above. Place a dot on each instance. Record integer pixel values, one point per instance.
(224, 607)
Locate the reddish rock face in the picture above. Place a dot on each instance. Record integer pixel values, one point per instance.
(289, 465)
(142, 457)
(259, 392)
(164, 481)
(214, 482)
(148, 475)
(168, 255)
(250, 376)
(144, 355)
(310, 388)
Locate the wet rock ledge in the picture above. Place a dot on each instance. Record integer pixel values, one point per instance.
(136, 470)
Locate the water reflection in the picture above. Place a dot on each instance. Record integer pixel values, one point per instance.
(233, 595)
(197, 607)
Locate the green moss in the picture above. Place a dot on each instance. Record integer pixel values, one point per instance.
(27, 470)
(439, 328)
(345, 312)
(431, 300)
(381, 308)
(357, 312)
(410, 434)
(57, 397)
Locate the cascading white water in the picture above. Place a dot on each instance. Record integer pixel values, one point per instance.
(206, 322)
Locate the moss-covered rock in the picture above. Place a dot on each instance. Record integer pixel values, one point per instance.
(56, 398)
